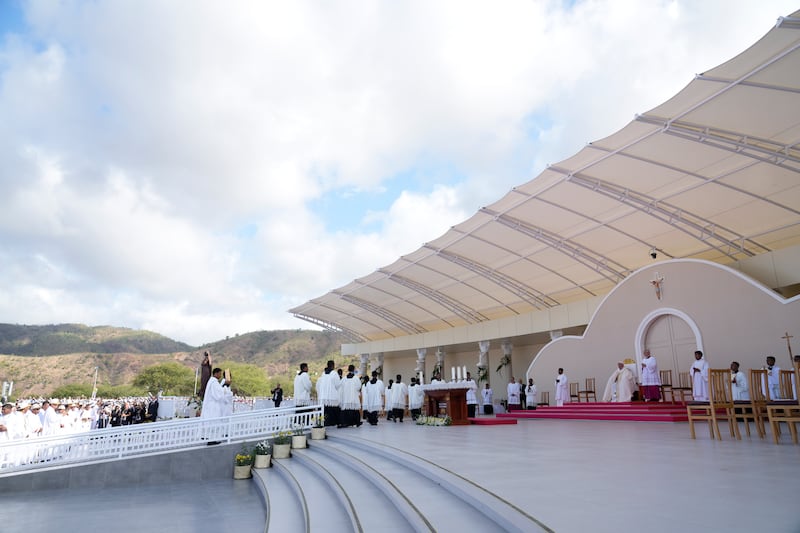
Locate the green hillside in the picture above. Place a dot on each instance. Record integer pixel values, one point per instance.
(76, 338)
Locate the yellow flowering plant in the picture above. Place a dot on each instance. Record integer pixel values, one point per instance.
(244, 457)
(283, 437)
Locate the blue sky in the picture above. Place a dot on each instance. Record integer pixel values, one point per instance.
(197, 169)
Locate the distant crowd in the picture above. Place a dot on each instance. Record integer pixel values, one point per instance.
(31, 418)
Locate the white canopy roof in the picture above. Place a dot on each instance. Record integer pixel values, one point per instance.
(713, 173)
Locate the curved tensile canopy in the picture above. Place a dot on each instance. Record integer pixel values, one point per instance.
(713, 173)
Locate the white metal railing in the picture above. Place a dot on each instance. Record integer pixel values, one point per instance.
(150, 439)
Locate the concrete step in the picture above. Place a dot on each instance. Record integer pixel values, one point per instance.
(286, 511)
(448, 501)
(378, 504)
(326, 506)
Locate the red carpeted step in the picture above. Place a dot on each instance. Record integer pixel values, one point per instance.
(492, 421)
(633, 411)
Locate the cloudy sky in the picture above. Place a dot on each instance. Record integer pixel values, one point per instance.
(198, 167)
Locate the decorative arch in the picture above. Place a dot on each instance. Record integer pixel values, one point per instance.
(651, 317)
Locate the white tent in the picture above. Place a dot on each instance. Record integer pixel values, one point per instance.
(713, 173)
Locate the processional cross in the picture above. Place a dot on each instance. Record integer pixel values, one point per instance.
(789, 347)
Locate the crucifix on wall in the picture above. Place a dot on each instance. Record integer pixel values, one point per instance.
(657, 282)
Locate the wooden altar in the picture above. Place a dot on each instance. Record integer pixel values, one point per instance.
(453, 403)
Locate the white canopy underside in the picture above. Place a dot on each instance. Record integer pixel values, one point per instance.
(713, 173)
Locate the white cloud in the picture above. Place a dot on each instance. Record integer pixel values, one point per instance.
(138, 140)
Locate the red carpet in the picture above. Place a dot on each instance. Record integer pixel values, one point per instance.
(636, 411)
(488, 421)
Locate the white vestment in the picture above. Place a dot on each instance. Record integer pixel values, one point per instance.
(530, 395)
(302, 389)
(773, 380)
(562, 390)
(399, 395)
(620, 386)
(328, 386)
(374, 399)
(217, 400)
(513, 393)
(472, 398)
(416, 397)
(739, 386)
(487, 396)
(699, 380)
(351, 386)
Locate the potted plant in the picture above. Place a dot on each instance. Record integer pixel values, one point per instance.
(282, 444)
(299, 437)
(318, 429)
(243, 462)
(263, 453)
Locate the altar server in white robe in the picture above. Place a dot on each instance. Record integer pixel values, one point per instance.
(399, 399)
(374, 398)
(738, 383)
(512, 393)
(620, 385)
(773, 379)
(530, 394)
(350, 401)
(699, 376)
(216, 399)
(302, 387)
(328, 386)
(472, 396)
(562, 388)
(416, 397)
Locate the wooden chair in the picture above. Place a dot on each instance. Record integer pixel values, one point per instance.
(719, 405)
(544, 398)
(589, 391)
(666, 385)
(785, 380)
(684, 388)
(747, 410)
(573, 392)
(787, 410)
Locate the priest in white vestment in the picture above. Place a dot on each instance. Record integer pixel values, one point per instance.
(651, 381)
(738, 383)
(620, 385)
(472, 397)
(350, 401)
(373, 402)
(328, 386)
(399, 399)
(512, 391)
(302, 387)
(416, 398)
(530, 394)
(562, 388)
(216, 398)
(699, 376)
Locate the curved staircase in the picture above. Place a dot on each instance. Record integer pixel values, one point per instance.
(345, 484)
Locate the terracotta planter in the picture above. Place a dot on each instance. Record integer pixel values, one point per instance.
(299, 441)
(281, 451)
(317, 433)
(262, 461)
(242, 472)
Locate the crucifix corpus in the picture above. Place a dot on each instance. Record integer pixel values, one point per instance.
(789, 347)
(657, 282)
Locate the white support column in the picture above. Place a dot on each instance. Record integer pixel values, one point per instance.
(507, 357)
(376, 363)
(483, 361)
(440, 362)
(419, 370)
(363, 366)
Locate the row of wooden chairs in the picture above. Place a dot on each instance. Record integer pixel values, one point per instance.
(758, 409)
(576, 393)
